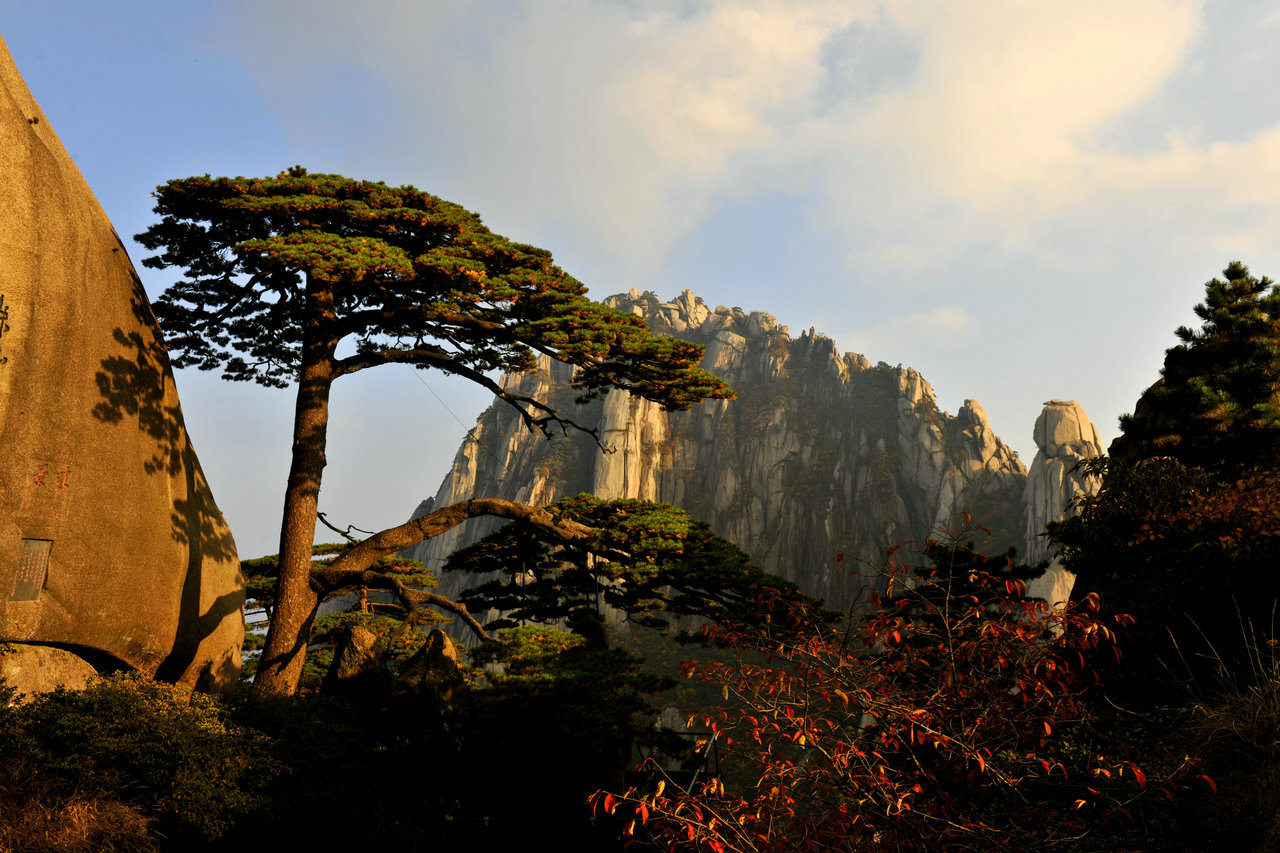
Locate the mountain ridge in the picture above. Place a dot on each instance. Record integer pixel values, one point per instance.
(822, 456)
(823, 462)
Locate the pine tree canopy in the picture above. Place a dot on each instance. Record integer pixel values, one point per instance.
(308, 278)
(1217, 403)
(645, 561)
(403, 275)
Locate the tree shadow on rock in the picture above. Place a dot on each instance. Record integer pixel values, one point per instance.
(133, 387)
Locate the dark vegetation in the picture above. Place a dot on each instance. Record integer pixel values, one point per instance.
(1184, 533)
(649, 561)
(950, 713)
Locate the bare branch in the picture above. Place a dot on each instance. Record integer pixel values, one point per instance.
(437, 600)
(398, 538)
(345, 534)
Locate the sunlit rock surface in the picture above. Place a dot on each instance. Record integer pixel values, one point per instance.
(1064, 438)
(823, 454)
(112, 551)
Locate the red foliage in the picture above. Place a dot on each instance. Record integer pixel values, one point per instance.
(1244, 514)
(942, 718)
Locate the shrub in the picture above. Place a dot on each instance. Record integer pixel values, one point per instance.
(949, 716)
(154, 748)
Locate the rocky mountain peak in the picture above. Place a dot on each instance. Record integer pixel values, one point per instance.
(1064, 438)
(1063, 430)
(822, 454)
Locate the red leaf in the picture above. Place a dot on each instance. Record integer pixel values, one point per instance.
(1139, 775)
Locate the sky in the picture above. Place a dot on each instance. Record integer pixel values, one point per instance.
(1022, 200)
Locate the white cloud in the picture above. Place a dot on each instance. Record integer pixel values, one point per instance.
(946, 328)
(1010, 95)
(998, 131)
(620, 127)
(735, 78)
(624, 126)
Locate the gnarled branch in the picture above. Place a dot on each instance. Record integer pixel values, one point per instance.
(352, 567)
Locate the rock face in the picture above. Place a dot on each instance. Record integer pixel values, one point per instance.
(433, 668)
(1064, 437)
(822, 454)
(111, 547)
(433, 676)
(40, 669)
(356, 668)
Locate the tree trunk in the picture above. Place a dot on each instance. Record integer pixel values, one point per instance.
(280, 667)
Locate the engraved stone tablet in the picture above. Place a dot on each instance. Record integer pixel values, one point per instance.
(33, 562)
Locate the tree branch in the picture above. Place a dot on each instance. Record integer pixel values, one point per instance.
(412, 316)
(352, 567)
(326, 582)
(345, 534)
(442, 360)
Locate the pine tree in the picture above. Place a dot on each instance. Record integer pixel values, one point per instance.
(644, 561)
(1183, 533)
(1217, 403)
(279, 272)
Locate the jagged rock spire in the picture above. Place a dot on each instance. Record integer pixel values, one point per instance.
(1064, 438)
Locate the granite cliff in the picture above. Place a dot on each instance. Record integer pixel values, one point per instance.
(822, 454)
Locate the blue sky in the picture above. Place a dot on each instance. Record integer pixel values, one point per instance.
(1022, 199)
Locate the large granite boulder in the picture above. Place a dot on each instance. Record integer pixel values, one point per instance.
(111, 547)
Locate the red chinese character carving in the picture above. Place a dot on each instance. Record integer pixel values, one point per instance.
(64, 478)
(40, 472)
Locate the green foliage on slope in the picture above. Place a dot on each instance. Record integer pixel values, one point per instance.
(648, 562)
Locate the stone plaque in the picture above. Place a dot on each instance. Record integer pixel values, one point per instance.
(33, 562)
